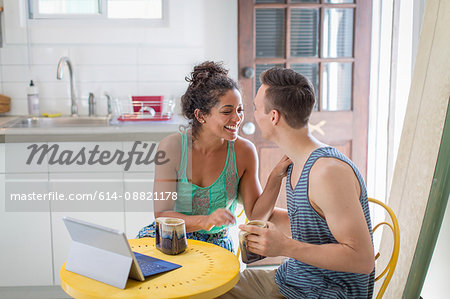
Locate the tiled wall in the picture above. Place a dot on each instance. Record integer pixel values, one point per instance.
(121, 70)
(123, 58)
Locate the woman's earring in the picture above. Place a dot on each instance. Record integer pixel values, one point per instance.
(202, 121)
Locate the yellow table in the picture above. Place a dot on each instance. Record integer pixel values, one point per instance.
(207, 271)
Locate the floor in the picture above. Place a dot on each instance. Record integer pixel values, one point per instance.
(52, 292)
(33, 292)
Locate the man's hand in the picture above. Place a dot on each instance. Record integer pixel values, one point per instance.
(265, 241)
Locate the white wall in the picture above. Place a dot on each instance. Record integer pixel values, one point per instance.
(436, 282)
(122, 57)
(421, 137)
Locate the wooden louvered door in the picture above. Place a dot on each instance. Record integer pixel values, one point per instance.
(329, 42)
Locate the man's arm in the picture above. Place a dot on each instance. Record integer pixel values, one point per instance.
(334, 192)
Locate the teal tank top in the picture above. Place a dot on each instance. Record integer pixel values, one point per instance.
(196, 200)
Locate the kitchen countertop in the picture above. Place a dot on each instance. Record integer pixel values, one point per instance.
(123, 131)
(5, 119)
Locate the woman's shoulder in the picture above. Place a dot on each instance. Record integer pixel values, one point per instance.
(246, 156)
(244, 147)
(171, 144)
(243, 143)
(171, 140)
(171, 147)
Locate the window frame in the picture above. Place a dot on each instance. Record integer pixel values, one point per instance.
(288, 59)
(33, 14)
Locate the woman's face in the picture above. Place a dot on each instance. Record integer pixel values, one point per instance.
(226, 117)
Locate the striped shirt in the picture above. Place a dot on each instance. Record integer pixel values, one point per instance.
(299, 280)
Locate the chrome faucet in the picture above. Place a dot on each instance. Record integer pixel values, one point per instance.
(108, 103)
(91, 101)
(59, 75)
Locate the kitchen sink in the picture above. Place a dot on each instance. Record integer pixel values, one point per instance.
(55, 122)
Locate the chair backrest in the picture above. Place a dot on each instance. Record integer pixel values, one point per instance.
(390, 268)
(238, 252)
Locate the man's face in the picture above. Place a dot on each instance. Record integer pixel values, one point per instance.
(262, 119)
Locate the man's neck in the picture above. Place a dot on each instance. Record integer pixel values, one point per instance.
(297, 144)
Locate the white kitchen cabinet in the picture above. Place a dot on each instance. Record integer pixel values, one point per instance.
(138, 185)
(18, 154)
(61, 237)
(139, 207)
(2, 158)
(26, 245)
(35, 245)
(87, 191)
(80, 153)
(148, 149)
(95, 202)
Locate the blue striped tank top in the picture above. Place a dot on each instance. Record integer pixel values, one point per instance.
(299, 280)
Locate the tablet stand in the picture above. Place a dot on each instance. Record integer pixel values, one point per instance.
(99, 264)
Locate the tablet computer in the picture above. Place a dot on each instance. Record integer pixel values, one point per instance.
(104, 254)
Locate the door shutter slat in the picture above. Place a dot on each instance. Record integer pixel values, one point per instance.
(270, 32)
(338, 32)
(304, 32)
(337, 86)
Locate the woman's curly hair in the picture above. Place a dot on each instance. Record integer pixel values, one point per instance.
(207, 83)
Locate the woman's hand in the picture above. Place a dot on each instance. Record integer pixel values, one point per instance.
(218, 218)
(280, 170)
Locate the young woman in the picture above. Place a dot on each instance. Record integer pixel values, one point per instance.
(209, 164)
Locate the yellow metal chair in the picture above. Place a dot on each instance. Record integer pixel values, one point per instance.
(390, 268)
(238, 252)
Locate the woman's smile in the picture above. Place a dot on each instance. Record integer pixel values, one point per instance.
(232, 128)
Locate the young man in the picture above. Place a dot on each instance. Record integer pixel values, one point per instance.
(330, 254)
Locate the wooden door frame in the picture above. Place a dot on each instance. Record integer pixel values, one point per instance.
(245, 50)
(361, 82)
(361, 74)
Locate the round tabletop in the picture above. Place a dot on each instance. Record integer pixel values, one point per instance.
(207, 271)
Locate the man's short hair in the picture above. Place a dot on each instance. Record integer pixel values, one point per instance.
(290, 93)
